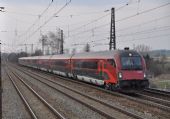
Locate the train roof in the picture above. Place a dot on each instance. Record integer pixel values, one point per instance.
(105, 54)
(88, 55)
(95, 55)
(64, 56)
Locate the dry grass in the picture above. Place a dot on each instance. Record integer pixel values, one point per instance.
(161, 82)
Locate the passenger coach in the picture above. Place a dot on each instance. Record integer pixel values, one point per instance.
(118, 69)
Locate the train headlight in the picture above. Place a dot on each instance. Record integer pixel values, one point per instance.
(144, 75)
(120, 75)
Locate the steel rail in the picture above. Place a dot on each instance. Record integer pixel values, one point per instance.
(159, 92)
(83, 94)
(74, 98)
(42, 99)
(154, 99)
(164, 107)
(22, 97)
(150, 103)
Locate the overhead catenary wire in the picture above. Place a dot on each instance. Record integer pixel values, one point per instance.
(99, 18)
(95, 20)
(21, 13)
(145, 38)
(163, 28)
(93, 41)
(138, 13)
(143, 12)
(122, 19)
(89, 30)
(84, 13)
(88, 14)
(56, 14)
(147, 31)
(94, 12)
(96, 35)
(144, 23)
(39, 17)
(156, 36)
(48, 20)
(90, 22)
(127, 28)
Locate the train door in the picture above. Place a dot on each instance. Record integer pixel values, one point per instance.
(70, 67)
(101, 67)
(71, 72)
(105, 75)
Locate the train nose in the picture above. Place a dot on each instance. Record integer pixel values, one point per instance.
(134, 84)
(145, 83)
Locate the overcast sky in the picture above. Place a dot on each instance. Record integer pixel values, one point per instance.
(85, 21)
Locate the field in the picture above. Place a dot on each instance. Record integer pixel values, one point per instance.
(161, 82)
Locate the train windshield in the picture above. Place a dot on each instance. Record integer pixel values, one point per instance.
(131, 63)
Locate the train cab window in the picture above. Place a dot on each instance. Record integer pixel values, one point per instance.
(112, 62)
(131, 63)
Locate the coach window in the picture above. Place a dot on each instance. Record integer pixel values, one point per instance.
(60, 63)
(77, 64)
(93, 65)
(90, 65)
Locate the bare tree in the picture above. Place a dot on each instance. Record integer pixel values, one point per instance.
(66, 51)
(55, 42)
(74, 51)
(87, 48)
(44, 41)
(38, 52)
(52, 42)
(163, 61)
(142, 48)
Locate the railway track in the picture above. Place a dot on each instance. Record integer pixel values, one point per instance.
(155, 95)
(158, 92)
(134, 99)
(95, 104)
(155, 101)
(39, 108)
(23, 104)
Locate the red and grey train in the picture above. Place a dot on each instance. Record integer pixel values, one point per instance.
(118, 69)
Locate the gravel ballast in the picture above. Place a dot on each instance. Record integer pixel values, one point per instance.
(12, 105)
(141, 109)
(68, 107)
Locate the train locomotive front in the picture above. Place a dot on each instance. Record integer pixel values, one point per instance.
(131, 71)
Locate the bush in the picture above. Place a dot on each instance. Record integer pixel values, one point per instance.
(156, 67)
(152, 85)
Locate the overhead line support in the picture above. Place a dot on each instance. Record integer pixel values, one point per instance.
(112, 44)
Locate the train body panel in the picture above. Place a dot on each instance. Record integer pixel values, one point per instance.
(133, 75)
(117, 69)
